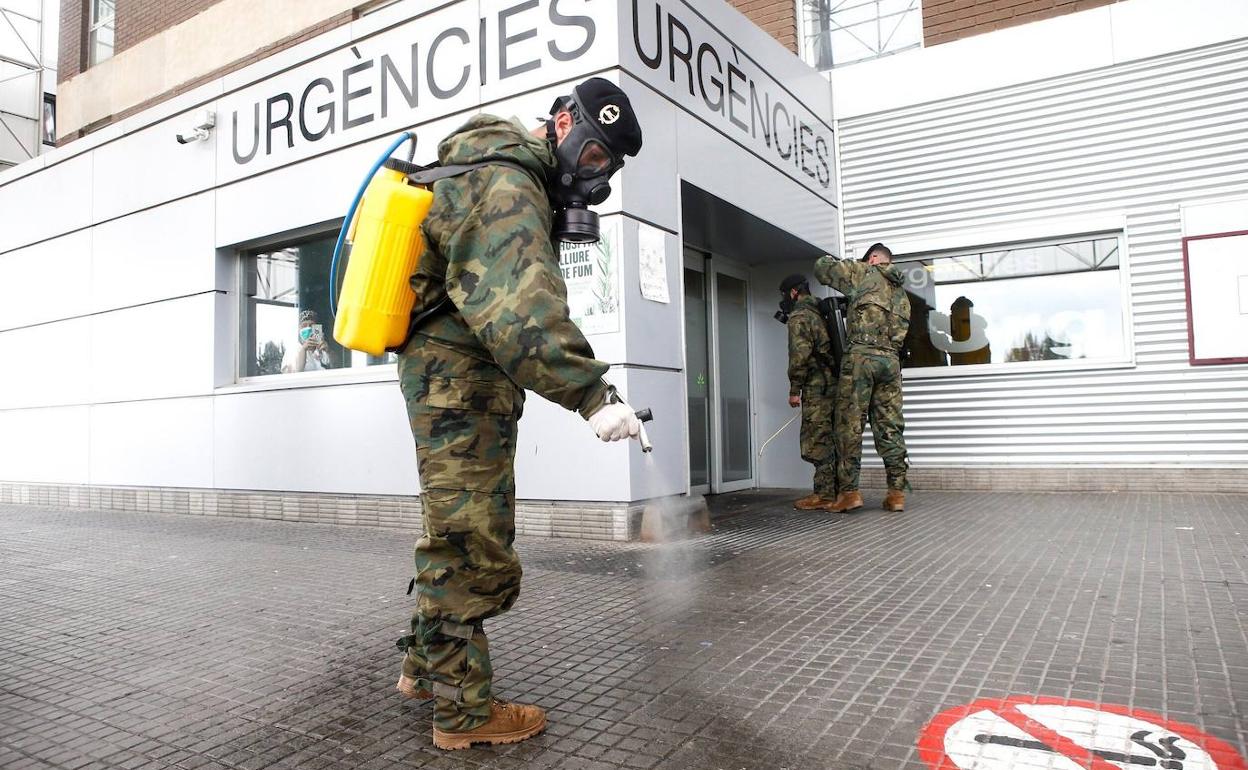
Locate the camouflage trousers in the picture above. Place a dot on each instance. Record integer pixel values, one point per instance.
(463, 413)
(817, 441)
(869, 385)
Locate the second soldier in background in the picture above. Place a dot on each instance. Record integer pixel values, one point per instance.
(812, 386)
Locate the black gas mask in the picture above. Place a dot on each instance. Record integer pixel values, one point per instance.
(787, 302)
(786, 307)
(584, 164)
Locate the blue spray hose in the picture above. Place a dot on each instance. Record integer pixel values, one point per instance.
(355, 202)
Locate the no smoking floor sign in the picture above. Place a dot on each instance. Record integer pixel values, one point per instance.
(1030, 733)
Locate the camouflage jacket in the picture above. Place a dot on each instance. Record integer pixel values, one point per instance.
(879, 310)
(810, 351)
(489, 250)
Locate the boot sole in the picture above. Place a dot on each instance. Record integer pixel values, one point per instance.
(894, 509)
(454, 742)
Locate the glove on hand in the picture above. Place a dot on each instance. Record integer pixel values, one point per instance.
(614, 422)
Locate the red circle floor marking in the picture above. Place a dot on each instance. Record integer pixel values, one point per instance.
(1004, 728)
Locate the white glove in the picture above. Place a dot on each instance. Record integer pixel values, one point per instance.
(614, 422)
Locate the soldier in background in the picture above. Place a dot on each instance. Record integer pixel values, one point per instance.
(870, 380)
(493, 321)
(812, 386)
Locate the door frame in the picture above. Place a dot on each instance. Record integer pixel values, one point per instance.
(711, 266)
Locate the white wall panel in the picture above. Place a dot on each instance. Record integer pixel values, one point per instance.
(1212, 217)
(51, 202)
(153, 351)
(46, 365)
(348, 439)
(48, 281)
(558, 457)
(156, 254)
(653, 328)
(664, 471)
(1134, 141)
(649, 182)
(158, 443)
(149, 167)
(47, 446)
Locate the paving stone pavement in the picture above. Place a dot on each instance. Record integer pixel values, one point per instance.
(781, 640)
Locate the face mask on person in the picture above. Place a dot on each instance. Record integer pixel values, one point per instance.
(786, 307)
(584, 164)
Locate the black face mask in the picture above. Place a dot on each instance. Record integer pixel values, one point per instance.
(786, 307)
(584, 163)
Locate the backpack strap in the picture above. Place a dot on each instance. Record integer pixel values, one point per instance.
(430, 174)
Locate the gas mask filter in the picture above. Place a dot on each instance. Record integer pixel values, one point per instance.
(584, 164)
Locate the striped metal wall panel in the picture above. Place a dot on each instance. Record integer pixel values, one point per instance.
(1134, 141)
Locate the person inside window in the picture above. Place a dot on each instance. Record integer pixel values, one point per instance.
(310, 353)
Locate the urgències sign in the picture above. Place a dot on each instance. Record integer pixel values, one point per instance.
(694, 60)
(438, 64)
(458, 57)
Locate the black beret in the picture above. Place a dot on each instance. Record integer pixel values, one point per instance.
(608, 109)
(792, 282)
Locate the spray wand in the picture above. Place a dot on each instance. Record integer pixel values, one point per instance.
(777, 433)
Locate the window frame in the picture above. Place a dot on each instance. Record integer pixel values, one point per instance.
(49, 100)
(243, 382)
(94, 25)
(1029, 368)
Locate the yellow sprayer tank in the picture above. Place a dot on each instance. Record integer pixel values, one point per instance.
(375, 305)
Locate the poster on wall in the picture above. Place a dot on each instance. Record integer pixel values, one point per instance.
(1216, 272)
(652, 262)
(592, 274)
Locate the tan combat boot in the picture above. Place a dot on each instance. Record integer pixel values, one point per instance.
(895, 501)
(811, 502)
(508, 723)
(845, 502)
(407, 686)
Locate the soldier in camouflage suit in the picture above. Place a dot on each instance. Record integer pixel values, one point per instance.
(812, 386)
(505, 329)
(870, 381)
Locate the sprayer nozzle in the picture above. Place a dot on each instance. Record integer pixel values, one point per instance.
(645, 415)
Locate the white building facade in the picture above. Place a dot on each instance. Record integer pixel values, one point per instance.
(177, 273)
(150, 291)
(1055, 175)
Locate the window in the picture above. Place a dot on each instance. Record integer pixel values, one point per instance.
(287, 325)
(100, 37)
(1054, 301)
(836, 32)
(49, 120)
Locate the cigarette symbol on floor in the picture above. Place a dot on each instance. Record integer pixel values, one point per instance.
(1166, 755)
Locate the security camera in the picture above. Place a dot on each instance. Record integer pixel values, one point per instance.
(199, 132)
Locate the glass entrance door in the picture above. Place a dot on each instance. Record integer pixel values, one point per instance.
(717, 375)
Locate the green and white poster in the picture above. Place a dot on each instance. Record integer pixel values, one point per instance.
(592, 274)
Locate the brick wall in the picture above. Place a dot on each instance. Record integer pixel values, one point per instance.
(138, 20)
(777, 18)
(262, 53)
(946, 20)
(73, 39)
